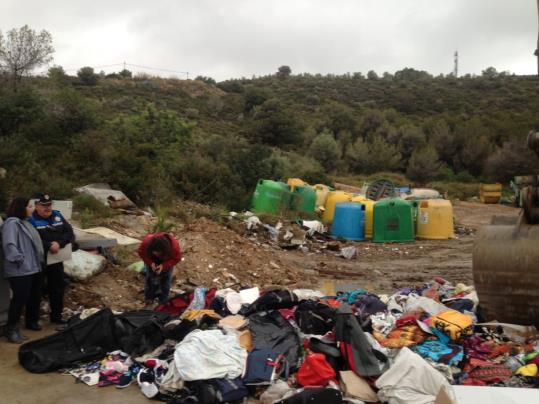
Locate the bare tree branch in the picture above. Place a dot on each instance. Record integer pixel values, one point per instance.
(24, 50)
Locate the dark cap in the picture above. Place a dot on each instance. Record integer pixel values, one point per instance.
(43, 199)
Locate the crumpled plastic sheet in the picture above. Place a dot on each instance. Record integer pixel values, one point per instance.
(383, 322)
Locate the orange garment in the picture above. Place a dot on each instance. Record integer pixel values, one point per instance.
(406, 335)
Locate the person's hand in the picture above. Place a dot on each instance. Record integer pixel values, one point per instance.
(159, 269)
(55, 247)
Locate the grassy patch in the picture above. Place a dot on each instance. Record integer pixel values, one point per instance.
(187, 211)
(456, 190)
(89, 211)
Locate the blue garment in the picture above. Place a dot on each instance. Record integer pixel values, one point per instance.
(157, 285)
(441, 350)
(20, 256)
(350, 297)
(199, 299)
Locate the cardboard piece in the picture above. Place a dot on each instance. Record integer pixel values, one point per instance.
(63, 255)
(493, 395)
(356, 387)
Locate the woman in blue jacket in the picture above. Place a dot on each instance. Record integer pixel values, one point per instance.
(23, 255)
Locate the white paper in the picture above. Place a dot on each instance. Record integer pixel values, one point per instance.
(62, 255)
(248, 296)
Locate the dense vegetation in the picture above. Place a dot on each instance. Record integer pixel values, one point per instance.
(157, 139)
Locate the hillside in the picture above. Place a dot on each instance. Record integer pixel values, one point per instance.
(158, 139)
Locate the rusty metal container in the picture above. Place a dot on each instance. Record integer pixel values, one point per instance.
(506, 272)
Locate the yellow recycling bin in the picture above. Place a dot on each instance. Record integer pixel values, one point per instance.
(369, 213)
(334, 197)
(294, 182)
(369, 217)
(435, 219)
(359, 198)
(322, 192)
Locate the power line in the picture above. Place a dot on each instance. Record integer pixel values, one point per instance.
(124, 64)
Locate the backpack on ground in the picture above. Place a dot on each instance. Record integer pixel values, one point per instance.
(355, 348)
(314, 317)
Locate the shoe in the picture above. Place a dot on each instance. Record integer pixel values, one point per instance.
(149, 304)
(13, 336)
(23, 337)
(128, 377)
(58, 320)
(34, 326)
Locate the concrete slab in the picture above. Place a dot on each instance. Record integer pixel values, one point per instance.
(89, 241)
(111, 234)
(22, 387)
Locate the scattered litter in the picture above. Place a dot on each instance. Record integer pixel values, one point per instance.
(349, 252)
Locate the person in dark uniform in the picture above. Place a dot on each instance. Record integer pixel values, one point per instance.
(56, 233)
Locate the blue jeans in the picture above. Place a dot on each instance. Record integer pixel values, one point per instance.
(157, 285)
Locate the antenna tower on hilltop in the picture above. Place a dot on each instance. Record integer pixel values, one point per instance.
(456, 68)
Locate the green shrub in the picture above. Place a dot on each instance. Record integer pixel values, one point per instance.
(456, 190)
(89, 211)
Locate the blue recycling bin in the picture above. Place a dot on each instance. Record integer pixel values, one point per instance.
(349, 221)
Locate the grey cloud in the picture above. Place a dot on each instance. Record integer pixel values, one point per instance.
(237, 38)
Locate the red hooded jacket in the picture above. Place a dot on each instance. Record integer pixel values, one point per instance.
(169, 261)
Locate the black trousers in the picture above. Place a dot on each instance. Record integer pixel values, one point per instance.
(26, 292)
(54, 275)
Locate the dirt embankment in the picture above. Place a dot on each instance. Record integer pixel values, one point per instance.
(215, 255)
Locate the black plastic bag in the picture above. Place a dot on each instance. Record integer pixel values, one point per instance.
(86, 340)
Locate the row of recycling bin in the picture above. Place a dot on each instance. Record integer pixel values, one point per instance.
(354, 217)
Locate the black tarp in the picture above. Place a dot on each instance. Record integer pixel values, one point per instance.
(136, 333)
(86, 340)
(271, 330)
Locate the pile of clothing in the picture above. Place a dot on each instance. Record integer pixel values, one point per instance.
(299, 346)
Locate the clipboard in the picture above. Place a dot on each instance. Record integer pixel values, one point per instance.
(64, 254)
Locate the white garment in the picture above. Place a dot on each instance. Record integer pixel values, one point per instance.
(248, 296)
(384, 323)
(429, 305)
(232, 298)
(171, 381)
(308, 294)
(276, 391)
(411, 380)
(209, 354)
(396, 304)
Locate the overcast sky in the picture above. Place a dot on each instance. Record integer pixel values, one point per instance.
(234, 38)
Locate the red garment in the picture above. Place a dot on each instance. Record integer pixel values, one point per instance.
(169, 261)
(487, 372)
(176, 305)
(315, 371)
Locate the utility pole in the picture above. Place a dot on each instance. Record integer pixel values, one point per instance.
(536, 53)
(456, 67)
(124, 65)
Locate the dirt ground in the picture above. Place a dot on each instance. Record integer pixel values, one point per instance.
(216, 255)
(220, 256)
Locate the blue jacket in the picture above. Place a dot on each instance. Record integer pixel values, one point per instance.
(55, 228)
(20, 257)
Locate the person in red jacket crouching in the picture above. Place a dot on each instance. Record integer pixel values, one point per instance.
(160, 252)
